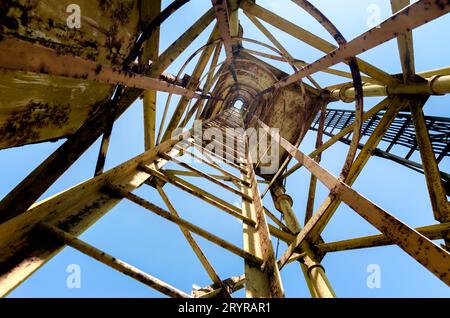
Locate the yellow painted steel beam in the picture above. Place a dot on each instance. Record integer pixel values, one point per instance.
(367, 115)
(423, 250)
(200, 193)
(21, 55)
(424, 74)
(149, 11)
(415, 15)
(260, 282)
(277, 44)
(316, 279)
(225, 174)
(211, 79)
(193, 84)
(332, 202)
(170, 54)
(189, 226)
(438, 71)
(233, 284)
(276, 221)
(436, 190)
(313, 180)
(223, 23)
(195, 247)
(433, 232)
(233, 7)
(113, 262)
(66, 207)
(193, 174)
(207, 177)
(436, 85)
(311, 39)
(405, 44)
(301, 63)
(223, 159)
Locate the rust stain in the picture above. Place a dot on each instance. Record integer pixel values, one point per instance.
(24, 126)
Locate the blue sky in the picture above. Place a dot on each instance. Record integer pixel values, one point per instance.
(158, 247)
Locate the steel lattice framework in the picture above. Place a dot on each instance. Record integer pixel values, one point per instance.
(116, 60)
(400, 133)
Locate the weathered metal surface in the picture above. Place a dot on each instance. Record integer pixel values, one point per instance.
(419, 13)
(433, 232)
(40, 59)
(264, 281)
(311, 39)
(112, 261)
(423, 250)
(50, 107)
(195, 247)
(289, 110)
(65, 82)
(73, 210)
(314, 272)
(189, 226)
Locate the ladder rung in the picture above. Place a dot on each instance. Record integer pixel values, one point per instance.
(206, 176)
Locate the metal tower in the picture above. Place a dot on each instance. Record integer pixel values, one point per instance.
(60, 80)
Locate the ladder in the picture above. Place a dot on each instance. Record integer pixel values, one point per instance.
(56, 222)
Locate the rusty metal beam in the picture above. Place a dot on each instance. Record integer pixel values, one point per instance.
(316, 279)
(221, 11)
(373, 111)
(233, 284)
(113, 262)
(151, 18)
(311, 39)
(277, 44)
(415, 15)
(436, 85)
(405, 44)
(301, 63)
(189, 226)
(201, 194)
(192, 84)
(313, 180)
(211, 79)
(261, 282)
(432, 232)
(332, 202)
(436, 190)
(20, 55)
(195, 247)
(41, 178)
(423, 250)
(76, 209)
(207, 177)
(226, 175)
(149, 11)
(223, 22)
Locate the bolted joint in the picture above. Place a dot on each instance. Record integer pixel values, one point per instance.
(281, 197)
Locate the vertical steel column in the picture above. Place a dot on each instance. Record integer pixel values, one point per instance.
(261, 281)
(318, 283)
